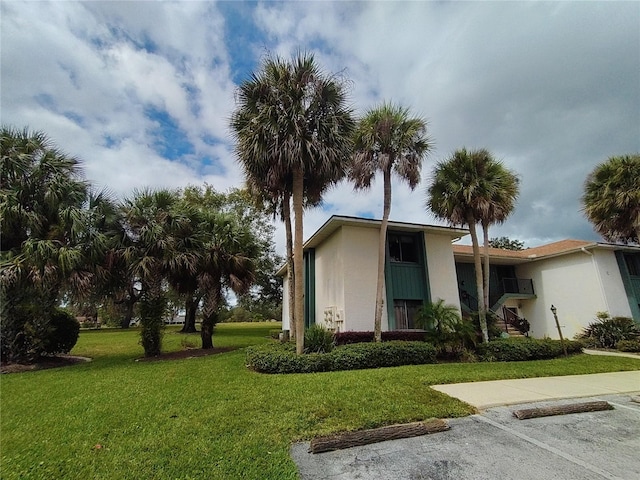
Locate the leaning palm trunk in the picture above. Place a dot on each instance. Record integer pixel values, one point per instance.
(482, 313)
(286, 215)
(487, 271)
(382, 244)
(298, 265)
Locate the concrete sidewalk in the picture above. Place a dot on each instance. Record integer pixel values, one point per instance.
(483, 395)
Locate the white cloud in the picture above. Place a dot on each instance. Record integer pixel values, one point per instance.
(549, 88)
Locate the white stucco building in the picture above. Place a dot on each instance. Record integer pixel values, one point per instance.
(341, 269)
(422, 264)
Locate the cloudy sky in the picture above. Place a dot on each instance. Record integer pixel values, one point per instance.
(142, 91)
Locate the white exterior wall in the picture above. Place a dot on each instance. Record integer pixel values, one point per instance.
(285, 303)
(570, 283)
(441, 267)
(329, 266)
(360, 247)
(615, 297)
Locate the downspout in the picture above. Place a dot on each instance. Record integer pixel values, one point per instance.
(595, 266)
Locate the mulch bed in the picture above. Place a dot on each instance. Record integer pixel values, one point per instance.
(43, 364)
(189, 353)
(68, 360)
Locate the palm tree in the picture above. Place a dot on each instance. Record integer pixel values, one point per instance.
(387, 139)
(46, 245)
(152, 226)
(611, 199)
(464, 191)
(226, 262)
(293, 129)
(501, 192)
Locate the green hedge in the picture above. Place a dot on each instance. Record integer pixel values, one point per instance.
(521, 349)
(629, 345)
(281, 358)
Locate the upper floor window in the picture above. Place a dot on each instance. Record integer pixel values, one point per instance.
(633, 263)
(403, 248)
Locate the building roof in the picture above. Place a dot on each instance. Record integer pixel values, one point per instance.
(562, 247)
(337, 221)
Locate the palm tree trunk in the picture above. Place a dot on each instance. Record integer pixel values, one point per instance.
(128, 314)
(382, 247)
(286, 215)
(482, 313)
(190, 309)
(298, 192)
(209, 314)
(487, 276)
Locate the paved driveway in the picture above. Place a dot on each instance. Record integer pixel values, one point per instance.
(495, 445)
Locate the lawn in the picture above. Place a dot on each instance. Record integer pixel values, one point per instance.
(209, 417)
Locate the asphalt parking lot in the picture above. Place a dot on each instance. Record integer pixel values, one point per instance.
(495, 445)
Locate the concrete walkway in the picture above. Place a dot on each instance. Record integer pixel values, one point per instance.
(483, 395)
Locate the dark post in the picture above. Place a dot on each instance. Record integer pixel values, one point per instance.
(554, 310)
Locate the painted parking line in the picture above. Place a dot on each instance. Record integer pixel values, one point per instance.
(548, 448)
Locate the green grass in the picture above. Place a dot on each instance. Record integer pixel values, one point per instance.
(210, 417)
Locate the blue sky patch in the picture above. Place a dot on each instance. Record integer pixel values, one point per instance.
(170, 140)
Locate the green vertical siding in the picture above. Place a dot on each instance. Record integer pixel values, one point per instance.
(631, 286)
(309, 287)
(406, 281)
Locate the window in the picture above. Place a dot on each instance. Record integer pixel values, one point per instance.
(405, 312)
(403, 248)
(633, 264)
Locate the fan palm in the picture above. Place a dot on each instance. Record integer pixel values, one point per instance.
(611, 199)
(152, 225)
(470, 188)
(293, 128)
(226, 262)
(46, 245)
(387, 139)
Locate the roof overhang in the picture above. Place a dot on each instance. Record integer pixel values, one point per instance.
(336, 222)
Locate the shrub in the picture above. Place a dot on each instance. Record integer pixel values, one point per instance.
(521, 349)
(446, 329)
(345, 338)
(318, 339)
(629, 345)
(64, 332)
(281, 358)
(607, 331)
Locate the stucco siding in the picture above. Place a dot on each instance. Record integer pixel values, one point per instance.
(285, 303)
(360, 246)
(571, 284)
(330, 281)
(441, 268)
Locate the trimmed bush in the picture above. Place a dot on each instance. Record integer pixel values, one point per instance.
(522, 349)
(64, 333)
(281, 358)
(607, 331)
(318, 339)
(629, 345)
(345, 338)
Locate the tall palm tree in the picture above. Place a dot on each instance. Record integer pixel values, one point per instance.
(501, 187)
(387, 139)
(611, 199)
(463, 192)
(293, 128)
